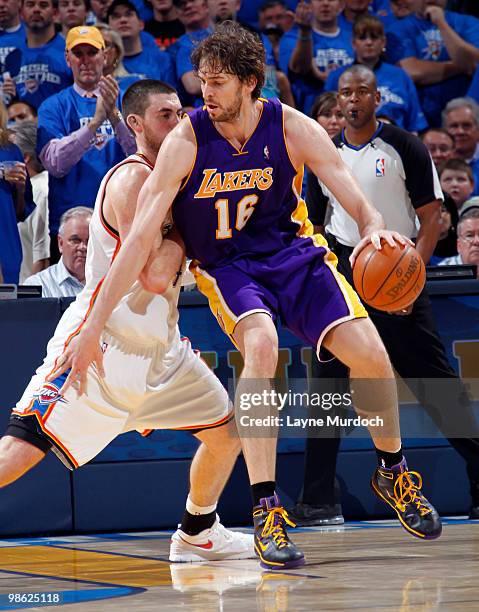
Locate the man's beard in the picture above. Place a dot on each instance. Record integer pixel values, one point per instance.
(232, 112)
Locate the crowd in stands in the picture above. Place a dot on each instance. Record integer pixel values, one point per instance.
(65, 65)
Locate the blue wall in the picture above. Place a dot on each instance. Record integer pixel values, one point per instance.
(153, 471)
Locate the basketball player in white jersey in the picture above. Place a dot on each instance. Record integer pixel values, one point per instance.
(151, 378)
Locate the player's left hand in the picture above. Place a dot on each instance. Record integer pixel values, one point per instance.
(392, 238)
(82, 351)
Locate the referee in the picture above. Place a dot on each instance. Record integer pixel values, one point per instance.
(395, 171)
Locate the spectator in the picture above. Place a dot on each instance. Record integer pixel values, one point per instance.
(44, 71)
(467, 241)
(196, 18)
(250, 11)
(439, 50)
(81, 133)
(165, 27)
(274, 13)
(34, 234)
(71, 13)
(148, 61)
(327, 113)
(21, 111)
(405, 186)
(14, 190)
(399, 99)
(222, 10)
(447, 243)
(99, 9)
(401, 8)
(457, 180)
(461, 120)
(12, 29)
(440, 145)
(313, 48)
(66, 278)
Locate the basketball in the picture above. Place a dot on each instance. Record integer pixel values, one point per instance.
(390, 279)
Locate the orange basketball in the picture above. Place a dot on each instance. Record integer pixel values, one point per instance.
(389, 279)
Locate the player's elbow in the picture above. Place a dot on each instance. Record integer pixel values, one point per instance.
(157, 283)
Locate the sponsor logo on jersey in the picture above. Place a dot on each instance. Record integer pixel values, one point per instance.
(218, 182)
(380, 166)
(49, 394)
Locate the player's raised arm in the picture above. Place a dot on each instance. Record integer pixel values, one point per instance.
(173, 164)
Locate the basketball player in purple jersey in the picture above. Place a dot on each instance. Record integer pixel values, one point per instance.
(233, 173)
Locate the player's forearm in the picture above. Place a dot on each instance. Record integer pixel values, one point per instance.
(428, 236)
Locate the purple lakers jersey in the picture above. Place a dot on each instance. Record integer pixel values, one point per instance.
(238, 203)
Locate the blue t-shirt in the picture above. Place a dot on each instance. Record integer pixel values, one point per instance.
(10, 245)
(329, 51)
(59, 116)
(153, 64)
(181, 51)
(399, 99)
(420, 38)
(10, 41)
(473, 91)
(44, 71)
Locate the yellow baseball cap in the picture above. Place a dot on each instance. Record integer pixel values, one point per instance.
(84, 35)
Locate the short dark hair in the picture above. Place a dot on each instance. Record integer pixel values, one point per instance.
(270, 4)
(234, 50)
(32, 109)
(137, 96)
(459, 165)
(438, 130)
(362, 71)
(126, 3)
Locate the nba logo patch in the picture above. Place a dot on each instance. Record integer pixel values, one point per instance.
(380, 166)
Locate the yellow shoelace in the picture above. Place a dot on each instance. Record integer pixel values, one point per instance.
(407, 491)
(274, 526)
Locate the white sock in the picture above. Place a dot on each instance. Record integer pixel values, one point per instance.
(192, 508)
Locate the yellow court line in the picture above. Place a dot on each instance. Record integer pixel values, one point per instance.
(93, 566)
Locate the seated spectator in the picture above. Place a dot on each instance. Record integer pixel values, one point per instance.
(313, 48)
(461, 120)
(33, 231)
(71, 13)
(66, 278)
(439, 50)
(399, 99)
(327, 113)
(447, 243)
(44, 71)
(81, 133)
(15, 193)
(196, 18)
(274, 21)
(165, 27)
(21, 111)
(148, 61)
(440, 145)
(467, 240)
(457, 180)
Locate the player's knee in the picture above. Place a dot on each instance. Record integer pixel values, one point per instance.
(261, 353)
(376, 362)
(16, 458)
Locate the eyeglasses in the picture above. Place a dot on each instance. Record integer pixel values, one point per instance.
(470, 237)
(76, 242)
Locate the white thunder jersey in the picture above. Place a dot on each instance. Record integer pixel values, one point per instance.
(141, 318)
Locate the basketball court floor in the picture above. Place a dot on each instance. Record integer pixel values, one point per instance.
(361, 566)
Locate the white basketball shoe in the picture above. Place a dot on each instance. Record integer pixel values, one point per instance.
(214, 544)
